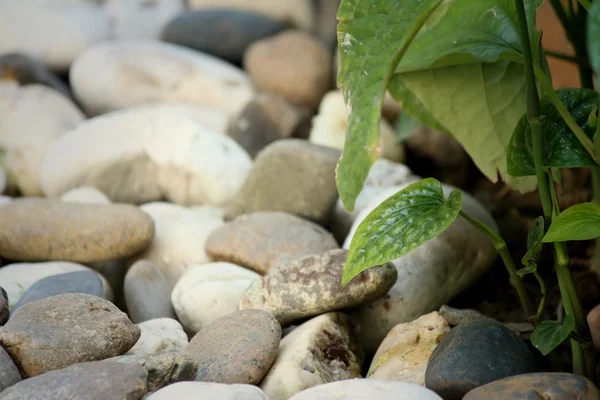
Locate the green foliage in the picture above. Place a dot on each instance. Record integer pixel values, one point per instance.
(578, 222)
(534, 247)
(550, 334)
(593, 37)
(561, 149)
(400, 224)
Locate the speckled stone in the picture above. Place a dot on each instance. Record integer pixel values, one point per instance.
(238, 348)
(312, 285)
(9, 373)
(45, 230)
(262, 239)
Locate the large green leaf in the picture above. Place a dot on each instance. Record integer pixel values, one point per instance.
(561, 147)
(550, 334)
(479, 104)
(593, 37)
(400, 224)
(372, 37)
(578, 222)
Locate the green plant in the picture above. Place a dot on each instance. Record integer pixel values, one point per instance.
(475, 69)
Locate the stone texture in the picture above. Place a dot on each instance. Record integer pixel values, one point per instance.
(159, 335)
(9, 373)
(86, 282)
(474, 354)
(208, 390)
(4, 310)
(547, 386)
(593, 319)
(85, 194)
(238, 348)
(224, 33)
(147, 293)
(43, 230)
(90, 328)
(141, 19)
(87, 380)
(290, 175)
(293, 64)
(319, 351)
(267, 118)
(163, 369)
(367, 389)
(209, 292)
(405, 351)
(260, 240)
(312, 286)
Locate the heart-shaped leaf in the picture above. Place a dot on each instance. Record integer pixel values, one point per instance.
(550, 334)
(561, 148)
(578, 222)
(534, 242)
(400, 224)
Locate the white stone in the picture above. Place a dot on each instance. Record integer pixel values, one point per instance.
(52, 31)
(208, 292)
(4, 200)
(367, 389)
(208, 390)
(147, 154)
(432, 274)
(141, 19)
(405, 351)
(158, 336)
(124, 73)
(303, 362)
(32, 118)
(298, 12)
(330, 124)
(17, 278)
(85, 194)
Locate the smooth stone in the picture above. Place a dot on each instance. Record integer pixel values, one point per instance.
(4, 309)
(546, 385)
(222, 32)
(326, 22)
(9, 373)
(319, 351)
(166, 153)
(474, 354)
(405, 351)
(91, 328)
(85, 194)
(260, 240)
(179, 237)
(163, 369)
(209, 292)
(593, 319)
(330, 125)
(3, 180)
(86, 282)
(238, 348)
(312, 285)
(208, 390)
(298, 13)
(87, 380)
(267, 118)
(114, 273)
(25, 70)
(367, 389)
(54, 34)
(141, 19)
(25, 139)
(157, 336)
(43, 230)
(147, 293)
(120, 74)
(430, 275)
(293, 64)
(17, 278)
(290, 175)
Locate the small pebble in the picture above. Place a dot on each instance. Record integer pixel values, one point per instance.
(208, 390)
(159, 335)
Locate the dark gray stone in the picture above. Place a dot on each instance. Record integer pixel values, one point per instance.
(476, 353)
(88, 380)
(87, 282)
(9, 373)
(225, 33)
(147, 293)
(4, 311)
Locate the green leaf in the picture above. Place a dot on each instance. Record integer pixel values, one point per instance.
(529, 269)
(561, 148)
(550, 334)
(400, 224)
(372, 37)
(480, 104)
(578, 222)
(593, 37)
(534, 242)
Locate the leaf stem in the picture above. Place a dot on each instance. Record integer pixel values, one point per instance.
(540, 311)
(585, 4)
(561, 56)
(502, 249)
